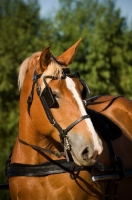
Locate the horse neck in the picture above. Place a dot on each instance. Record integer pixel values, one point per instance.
(28, 133)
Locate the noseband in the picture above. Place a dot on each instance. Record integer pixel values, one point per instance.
(47, 103)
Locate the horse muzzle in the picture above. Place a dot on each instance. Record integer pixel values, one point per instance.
(84, 152)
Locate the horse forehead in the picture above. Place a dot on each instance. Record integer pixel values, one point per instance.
(72, 86)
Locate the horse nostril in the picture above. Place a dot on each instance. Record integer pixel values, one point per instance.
(85, 153)
(95, 155)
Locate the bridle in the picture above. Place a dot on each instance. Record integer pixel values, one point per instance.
(47, 104)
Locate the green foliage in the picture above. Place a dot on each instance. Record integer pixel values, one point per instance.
(104, 58)
(21, 35)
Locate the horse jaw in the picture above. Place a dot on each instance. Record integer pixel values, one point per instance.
(68, 55)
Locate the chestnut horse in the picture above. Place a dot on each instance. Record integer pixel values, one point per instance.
(119, 110)
(116, 108)
(53, 127)
(58, 149)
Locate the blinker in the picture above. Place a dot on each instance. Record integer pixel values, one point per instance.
(48, 96)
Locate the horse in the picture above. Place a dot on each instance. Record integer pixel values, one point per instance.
(116, 108)
(59, 152)
(119, 110)
(56, 139)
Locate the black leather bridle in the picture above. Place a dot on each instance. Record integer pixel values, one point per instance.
(47, 103)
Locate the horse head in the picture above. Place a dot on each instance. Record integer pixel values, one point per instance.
(52, 111)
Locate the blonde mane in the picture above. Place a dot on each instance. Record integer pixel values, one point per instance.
(25, 66)
(53, 69)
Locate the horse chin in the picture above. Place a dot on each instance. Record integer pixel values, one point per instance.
(82, 162)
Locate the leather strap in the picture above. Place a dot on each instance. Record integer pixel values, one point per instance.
(37, 148)
(65, 131)
(38, 170)
(91, 100)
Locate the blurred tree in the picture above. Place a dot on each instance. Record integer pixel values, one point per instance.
(21, 35)
(104, 57)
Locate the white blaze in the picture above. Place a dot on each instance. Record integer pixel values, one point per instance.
(71, 86)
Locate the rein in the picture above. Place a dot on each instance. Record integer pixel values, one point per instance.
(37, 148)
(91, 101)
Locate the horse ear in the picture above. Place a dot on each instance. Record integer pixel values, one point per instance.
(68, 55)
(45, 58)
